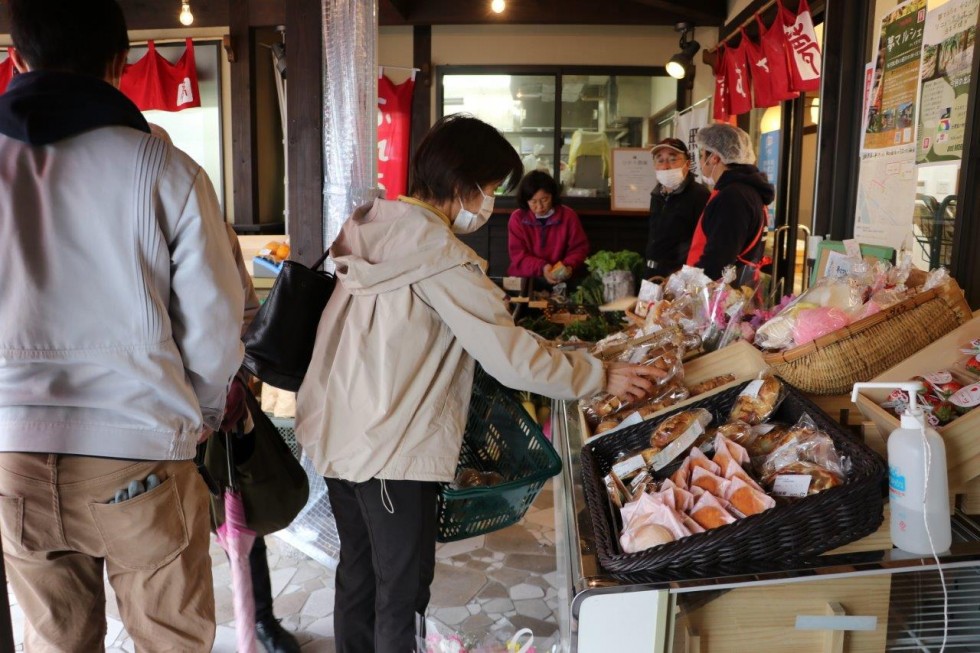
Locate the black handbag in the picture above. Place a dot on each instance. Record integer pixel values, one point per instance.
(279, 342)
(259, 466)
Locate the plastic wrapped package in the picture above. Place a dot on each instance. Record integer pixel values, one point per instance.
(758, 400)
(804, 442)
(812, 323)
(936, 278)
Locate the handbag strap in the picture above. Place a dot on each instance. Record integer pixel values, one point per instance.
(319, 261)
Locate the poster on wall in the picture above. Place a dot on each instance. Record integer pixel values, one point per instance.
(633, 178)
(886, 197)
(769, 166)
(890, 121)
(686, 126)
(947, 57)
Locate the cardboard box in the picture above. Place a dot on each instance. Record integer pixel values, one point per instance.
(960, 435)
(739, 358)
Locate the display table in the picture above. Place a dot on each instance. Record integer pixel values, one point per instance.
(871, 598)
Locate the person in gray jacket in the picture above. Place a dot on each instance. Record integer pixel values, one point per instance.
(382, 409)
(118, 339)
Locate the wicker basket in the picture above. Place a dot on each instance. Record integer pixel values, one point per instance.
(787, 532)
(500, 437)
(833, 363)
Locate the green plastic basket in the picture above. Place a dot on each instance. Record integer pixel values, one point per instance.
(500, 437)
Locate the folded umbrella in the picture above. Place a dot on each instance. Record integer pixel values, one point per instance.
(236, 539)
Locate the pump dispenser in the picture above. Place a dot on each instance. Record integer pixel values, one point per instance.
(918, 490)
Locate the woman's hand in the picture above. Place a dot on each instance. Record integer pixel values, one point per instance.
(548, 276)
(628, 381)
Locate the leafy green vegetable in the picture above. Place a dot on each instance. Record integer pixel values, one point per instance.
(606, 261)
(590, 329)
(589, 292)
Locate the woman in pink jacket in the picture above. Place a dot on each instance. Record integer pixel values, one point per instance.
(543, 233)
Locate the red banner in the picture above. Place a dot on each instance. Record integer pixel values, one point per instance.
(737, 72)
(394, 131)
(773, 42)
(760, 72)
(155, 83)
(802, 46)
(6, 72)
(720, 110)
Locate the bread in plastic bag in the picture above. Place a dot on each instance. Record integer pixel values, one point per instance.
(758, 400)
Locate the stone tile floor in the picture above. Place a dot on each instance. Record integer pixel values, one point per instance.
(491, 585)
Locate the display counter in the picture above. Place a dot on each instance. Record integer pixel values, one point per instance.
(864, 597)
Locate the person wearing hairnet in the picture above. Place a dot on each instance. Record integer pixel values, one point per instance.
(732, 225)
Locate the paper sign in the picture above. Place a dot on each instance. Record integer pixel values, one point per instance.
(852, 248)
(677, 447)
(791, 485)
(752, 389)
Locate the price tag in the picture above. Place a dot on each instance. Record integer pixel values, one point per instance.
(752, 389)
(852, 248)
(625, 468)
(791, 485)
(941, 377)
(677, 447)
(967, 397)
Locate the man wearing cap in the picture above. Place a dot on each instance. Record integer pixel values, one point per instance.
(676, 203)
(732, 228)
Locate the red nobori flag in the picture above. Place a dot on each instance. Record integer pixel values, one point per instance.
(773, 42)
(737, 72)
(720, 110)
(802, 46)
(394, 132)
(6, 72)
(155, 83)
(760, 72)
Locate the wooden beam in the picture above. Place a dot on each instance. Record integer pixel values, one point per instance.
(243, 129)
(552, 12)
(701, 13)
(403, 7)
(304, 118)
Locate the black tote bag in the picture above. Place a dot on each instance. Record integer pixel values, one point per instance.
(279, 342)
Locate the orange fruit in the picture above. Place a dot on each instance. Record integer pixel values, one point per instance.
(282, 252)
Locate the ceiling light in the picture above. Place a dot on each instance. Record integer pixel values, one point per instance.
(186, 17)
(498, 6)
(682, 63)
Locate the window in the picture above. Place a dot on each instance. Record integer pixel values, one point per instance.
(196, 131)
(564, 120)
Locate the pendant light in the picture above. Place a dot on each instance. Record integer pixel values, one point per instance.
(186, 17)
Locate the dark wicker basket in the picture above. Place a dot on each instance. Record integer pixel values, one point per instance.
(787, 532)
(500, 437)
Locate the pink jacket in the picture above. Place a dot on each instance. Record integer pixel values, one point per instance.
(533, 245)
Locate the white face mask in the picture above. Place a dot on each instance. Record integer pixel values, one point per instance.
(466, 222)
(670, 178)
(705, 178)
(546, 215)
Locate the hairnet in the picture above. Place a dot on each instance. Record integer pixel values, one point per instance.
(731, 144)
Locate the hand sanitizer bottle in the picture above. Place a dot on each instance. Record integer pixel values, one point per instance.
(918, 490)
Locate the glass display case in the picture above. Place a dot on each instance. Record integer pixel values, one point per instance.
(863, 597)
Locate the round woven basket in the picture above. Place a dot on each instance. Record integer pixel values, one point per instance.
(833, 363)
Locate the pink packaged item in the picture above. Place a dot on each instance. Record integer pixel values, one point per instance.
(811, 323)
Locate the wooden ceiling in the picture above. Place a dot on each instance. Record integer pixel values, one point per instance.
(162, 14)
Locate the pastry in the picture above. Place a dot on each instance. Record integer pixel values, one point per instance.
(677, 425)
(821, 478)
(711, 384)
(758, 401)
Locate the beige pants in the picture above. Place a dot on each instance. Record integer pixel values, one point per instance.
(58, 532)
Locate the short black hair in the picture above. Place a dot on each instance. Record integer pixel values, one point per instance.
(533, 182)
(461, 152)
(77, 36)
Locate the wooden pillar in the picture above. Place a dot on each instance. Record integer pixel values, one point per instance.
(245, 186)
(841, 99)
(304, 118)
(422, 99)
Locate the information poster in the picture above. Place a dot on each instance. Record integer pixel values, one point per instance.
(892, 110)
(769, 166)
(886, 197)
(947, 56)
(633, 178)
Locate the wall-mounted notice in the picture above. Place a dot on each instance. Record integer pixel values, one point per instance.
(886, 197)
(947, 56)
(633, 178)
(892, 110)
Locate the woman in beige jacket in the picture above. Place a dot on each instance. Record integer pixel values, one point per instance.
(382, 410)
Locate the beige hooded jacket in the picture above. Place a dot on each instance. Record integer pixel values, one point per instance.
(387, 391)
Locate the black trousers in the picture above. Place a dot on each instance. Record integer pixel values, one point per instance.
(258, 564)
(387, 561)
